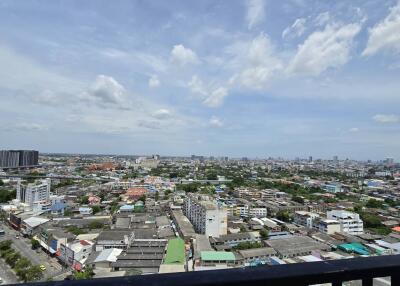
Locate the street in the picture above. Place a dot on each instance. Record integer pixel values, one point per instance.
(7, 274)
(39, 257)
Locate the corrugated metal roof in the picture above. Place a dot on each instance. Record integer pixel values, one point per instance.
(217, 256)
(175, 252)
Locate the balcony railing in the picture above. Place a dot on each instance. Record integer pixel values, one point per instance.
(334, 271)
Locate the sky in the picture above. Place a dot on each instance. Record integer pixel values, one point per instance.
(234, 78)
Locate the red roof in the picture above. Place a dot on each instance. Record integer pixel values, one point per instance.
(396, 228)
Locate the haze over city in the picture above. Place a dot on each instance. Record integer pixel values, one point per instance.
(230, 78)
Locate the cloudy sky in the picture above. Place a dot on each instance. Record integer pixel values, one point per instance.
(236, 78)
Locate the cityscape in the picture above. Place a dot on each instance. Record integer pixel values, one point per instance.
(75, 216)
(200, 143)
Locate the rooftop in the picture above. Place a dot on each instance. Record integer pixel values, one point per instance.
(217, 256)
(175, 252)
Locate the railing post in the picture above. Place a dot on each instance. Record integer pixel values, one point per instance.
(395, 279)
(367, 282)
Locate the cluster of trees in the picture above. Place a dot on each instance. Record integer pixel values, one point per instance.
(264, 233)
(84, 274)
(372, 221)
(284, 215)
(7, 195)
(75, 230)
(247, 245)
(21, 265)
(374, 204)
(189, 188)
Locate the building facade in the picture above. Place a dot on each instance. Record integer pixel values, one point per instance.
(349, 222)
(34, 193)
(18, 158)
(208, 217)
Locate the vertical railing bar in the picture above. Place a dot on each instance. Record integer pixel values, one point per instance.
(367, 282)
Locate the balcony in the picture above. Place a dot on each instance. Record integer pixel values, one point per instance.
(334, 271)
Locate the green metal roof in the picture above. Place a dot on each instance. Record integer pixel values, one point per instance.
(217, 256)
(175, 252)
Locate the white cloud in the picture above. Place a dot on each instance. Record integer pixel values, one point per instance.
(162, 114)
(354, 129)
(216, 98)
(28, 126)
(255, 12)
(183, 56)
(386, 118)
(296, 29)
(322, 19)
(215, 122)
(211, 97)
(257, 63)
(106, 90)
(325, 49)
(385, 35)
(154, 81)
(197, 86)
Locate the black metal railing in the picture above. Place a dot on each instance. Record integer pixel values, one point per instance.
(333, 271)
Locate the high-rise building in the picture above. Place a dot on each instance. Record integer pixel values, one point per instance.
(310, 159)
(34, 193)
(335, 158)
(18, 158)
(208, 217)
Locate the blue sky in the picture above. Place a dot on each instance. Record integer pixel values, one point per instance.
(236, 78)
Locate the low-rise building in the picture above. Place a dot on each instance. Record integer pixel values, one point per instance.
(349, 222)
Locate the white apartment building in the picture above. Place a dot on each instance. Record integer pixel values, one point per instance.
(306, 219)
(328, 226)
(258, 212)
(208, 217)
(34, 193)
(349, 222)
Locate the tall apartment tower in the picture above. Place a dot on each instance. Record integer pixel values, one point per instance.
(208, 217)
(34, 192)
(18, 158)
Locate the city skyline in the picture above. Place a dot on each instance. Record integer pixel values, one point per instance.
(215, 78)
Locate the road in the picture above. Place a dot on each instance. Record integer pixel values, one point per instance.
(7, 274)
(23, 246)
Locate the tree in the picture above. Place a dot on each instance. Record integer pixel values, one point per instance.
(7, 195)
(85, 200)
(35, 243)
(12, 258)
(5, 245)
(156, 196)
(143, 198)
(298, 199)
(33, 273)
(371, 220)
(374, 204)
(264, 233)
(22, 264)
(96, 209)
(283, 215)
(85, 274)
(96, 224)
(1, 183)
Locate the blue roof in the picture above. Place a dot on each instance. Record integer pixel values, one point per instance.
(127, 207)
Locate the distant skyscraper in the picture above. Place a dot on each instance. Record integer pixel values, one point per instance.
(18, 158)
(310, 159)
(389, 160)
(335, 158)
